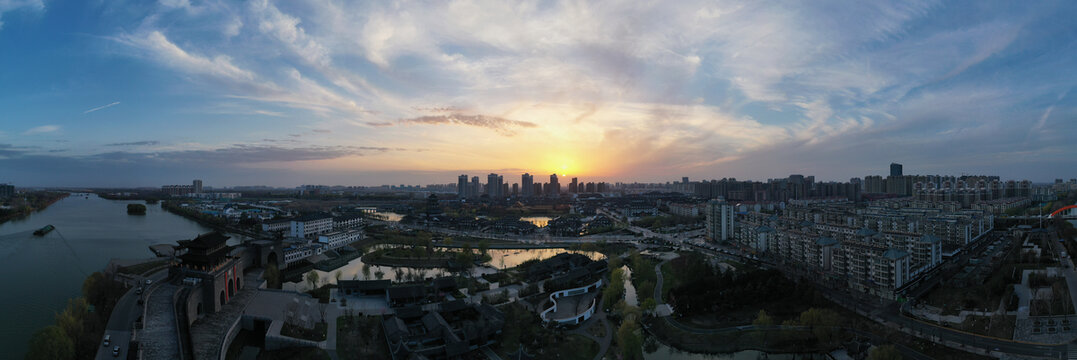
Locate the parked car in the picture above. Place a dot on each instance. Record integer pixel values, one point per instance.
(108, 339)
(148, 281)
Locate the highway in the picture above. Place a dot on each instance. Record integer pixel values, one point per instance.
(124, 315)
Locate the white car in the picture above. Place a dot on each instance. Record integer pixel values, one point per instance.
(108, 339)
(148, 281)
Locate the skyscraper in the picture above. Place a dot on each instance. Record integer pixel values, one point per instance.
(493, 185)
(527, 185)
(573, 187)
(476, 188)
(461, 186)
(196, 186)
(555, 187)
(895, 169)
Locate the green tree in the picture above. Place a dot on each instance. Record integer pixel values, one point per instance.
(823, 323)
(613, 293)
(763, 319)
(312, 279)
(50, 343)
(631, 343)
(366, 271)
(884, 352)
(648, 304)
(484, 245)
(99, 291)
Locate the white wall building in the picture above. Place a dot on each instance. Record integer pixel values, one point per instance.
(311, 225)
(337, 239)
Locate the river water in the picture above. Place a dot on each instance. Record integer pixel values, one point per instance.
(41, 273)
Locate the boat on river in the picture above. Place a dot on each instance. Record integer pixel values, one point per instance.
(44, 230)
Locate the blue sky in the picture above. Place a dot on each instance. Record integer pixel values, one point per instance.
(115, 93)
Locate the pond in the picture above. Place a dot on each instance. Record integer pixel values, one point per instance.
(389, 216)
(499, 259)
(667, 353)
(539, 221)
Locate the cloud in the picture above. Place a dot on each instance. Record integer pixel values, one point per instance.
(699, 87)
(135, 143)
(42, 130)
(101, 107)
(9, 150)
(11, 5)
(500, 125)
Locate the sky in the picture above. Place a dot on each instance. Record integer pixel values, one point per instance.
(283, 93)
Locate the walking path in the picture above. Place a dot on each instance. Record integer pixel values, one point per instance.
(605, 341)
(160, 337)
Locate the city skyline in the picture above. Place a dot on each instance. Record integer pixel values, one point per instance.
(281, 94)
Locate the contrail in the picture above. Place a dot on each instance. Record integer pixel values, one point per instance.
(101, 107)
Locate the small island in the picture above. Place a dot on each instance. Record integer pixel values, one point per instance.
(136, 209)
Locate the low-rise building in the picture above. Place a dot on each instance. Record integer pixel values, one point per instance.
(311, 225)
(347, 221)
(337, 239)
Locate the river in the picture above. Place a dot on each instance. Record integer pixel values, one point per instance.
(41, 273)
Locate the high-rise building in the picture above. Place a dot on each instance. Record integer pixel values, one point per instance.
(476, 187)
(515, 189)
(574, 186)
(555, 187)
(6, 191)
(895, 169)
(196, 186)
(461, 186)
(527, 185)
(684, 180)
(720, 218)
(493, 185)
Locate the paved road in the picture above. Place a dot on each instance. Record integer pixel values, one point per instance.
(123, 317)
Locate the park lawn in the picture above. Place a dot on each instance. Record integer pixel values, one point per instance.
(574, 347)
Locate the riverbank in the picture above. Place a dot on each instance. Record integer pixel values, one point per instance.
(25, 204)
(209, 221)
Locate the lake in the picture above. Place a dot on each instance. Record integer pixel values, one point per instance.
(41, 273)
(667, 353)
(499, 259)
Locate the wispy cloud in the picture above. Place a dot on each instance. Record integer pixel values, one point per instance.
(102, 107)
(9, 5)
(41, 130)
(135, 143)
(500, 125)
